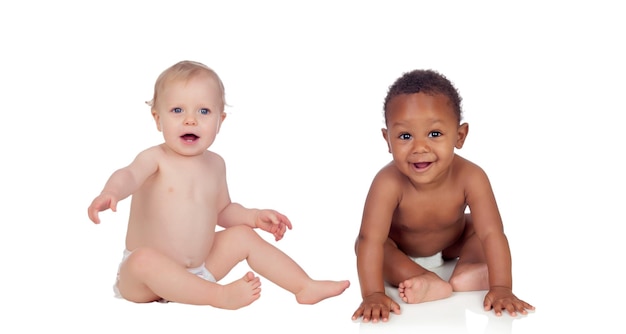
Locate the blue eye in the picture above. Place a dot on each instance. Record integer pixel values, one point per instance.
(405, 136)
(204, 111)
(177, 110)
(434, 134)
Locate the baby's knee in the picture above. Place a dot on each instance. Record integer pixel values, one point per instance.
(140, 260)
(244, 232)
(470, 277)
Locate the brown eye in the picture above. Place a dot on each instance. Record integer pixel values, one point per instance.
(434, 134)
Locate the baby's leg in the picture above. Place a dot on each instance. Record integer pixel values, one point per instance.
(239, 243)
(470, 272)
(147, 275)
(424, 288)
(415, 284)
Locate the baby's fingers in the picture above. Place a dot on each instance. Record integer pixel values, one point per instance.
(495, 305)
(280, 232)
(93, 215)
(101, 203)
(375, 313)
(395, 307)
(511, 307)
(113, 205)
(271, 217)
(282, 219)
(523, 307)
(358, 313)
(497, 308)
(528, 306)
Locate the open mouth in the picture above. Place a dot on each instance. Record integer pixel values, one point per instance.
(189, 137)
(422, 165)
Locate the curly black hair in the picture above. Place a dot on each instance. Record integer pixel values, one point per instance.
(426, 81)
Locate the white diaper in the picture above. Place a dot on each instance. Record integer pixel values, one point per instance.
(429, 262)
(200, 271)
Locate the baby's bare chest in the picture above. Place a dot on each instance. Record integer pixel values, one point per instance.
(429, 212)
(195, 184)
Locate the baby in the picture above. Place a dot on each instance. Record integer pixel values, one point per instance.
(415, 210)
(179, 196)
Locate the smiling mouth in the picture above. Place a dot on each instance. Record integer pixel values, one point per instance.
(189, 137)
(421, 165)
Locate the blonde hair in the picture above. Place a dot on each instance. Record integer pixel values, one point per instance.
(184, 70)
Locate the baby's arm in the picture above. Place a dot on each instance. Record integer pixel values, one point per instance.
(379, 206)
(268, 220)
(123, 182)
(490, 231)
(231, 214)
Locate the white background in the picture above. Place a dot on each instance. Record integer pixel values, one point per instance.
(542, 86)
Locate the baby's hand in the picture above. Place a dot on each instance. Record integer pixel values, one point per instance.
(376, 306)
(273, 222)
(102, 202)
(502, 298)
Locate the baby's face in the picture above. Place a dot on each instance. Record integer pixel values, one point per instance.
(189, 113)
(422, 133)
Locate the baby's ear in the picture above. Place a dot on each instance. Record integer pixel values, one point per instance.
(385, 135)
(157, 118)
(222, 118)
(461, 135)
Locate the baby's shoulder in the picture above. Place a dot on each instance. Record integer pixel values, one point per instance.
(465, 169)
(388, 171)
(214, 158)
(465, 165)
(390, 175)
(153, 153)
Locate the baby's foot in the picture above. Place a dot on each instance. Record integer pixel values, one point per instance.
(424, 288)
(316, 291)
(241, 292)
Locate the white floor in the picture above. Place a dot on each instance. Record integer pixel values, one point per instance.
(81, 302)
(93, 309)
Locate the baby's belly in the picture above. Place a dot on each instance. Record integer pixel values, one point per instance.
(188, 247)
(422, 244)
